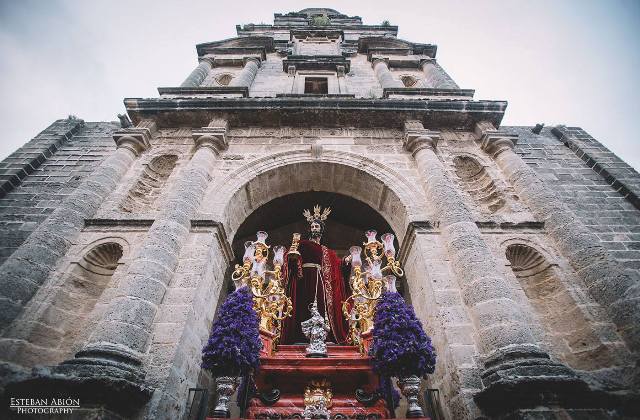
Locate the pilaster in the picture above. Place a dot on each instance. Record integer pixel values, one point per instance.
(515, 368)
(247, 74)
(435, 75)
(31, 264)
(200, 73)
(386, 79)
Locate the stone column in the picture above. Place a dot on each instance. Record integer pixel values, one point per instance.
(436, 77)
(342, 84)
(617, 290)
(510, 354)
(31, 264)
(381, 70)
(198, 74)
(124, 330)
(247, 74)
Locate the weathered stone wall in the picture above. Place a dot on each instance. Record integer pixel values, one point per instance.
(602, 201)
(38, 176)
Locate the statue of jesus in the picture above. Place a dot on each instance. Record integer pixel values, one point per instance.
(313, 271)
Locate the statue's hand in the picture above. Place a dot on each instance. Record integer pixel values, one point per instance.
(347, 259)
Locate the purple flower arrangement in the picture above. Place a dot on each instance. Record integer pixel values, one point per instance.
(234, 345)
(400, 346)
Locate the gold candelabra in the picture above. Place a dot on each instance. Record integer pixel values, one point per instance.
(269, 299)
(368, 284)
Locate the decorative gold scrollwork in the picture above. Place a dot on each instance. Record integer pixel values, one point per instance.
(368, 285)
(269, 299)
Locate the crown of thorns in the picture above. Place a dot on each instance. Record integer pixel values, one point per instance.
(317, 215)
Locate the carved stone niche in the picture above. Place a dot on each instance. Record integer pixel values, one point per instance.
(150, 185)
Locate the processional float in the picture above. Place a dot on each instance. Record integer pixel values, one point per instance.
(341, 385)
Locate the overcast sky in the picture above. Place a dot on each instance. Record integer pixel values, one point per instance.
(556, 62)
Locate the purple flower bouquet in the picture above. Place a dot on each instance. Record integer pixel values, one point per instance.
(400, 346)
(234, 345)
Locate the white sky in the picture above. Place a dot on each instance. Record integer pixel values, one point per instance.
(557, 62)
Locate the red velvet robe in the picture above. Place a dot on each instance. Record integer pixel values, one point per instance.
(300, 283)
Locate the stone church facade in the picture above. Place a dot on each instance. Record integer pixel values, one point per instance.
(521, 245)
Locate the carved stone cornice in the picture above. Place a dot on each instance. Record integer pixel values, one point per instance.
(377, 60)
(433, 92)
(208, 59)
(496, 142)
(214, 138)
(416, 137)
(316, 62)
(241, 91)
(426, 61)
(256, 60)
(136, 139)
(457, 114)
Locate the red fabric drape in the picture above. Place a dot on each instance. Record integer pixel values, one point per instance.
(300, 284)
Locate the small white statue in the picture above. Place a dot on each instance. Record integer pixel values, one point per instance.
(316, 329)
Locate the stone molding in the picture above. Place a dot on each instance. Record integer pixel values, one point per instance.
(377, 60)
(496, 142)
(243, 91)
(316, 62)
(214, 138)
(332, 111)
(254, 59)
(135, 139)
(208, 59)
(406, 191)
(465, 93)
(417, 137)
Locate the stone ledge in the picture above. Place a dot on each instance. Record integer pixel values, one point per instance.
(331, 112)
(316, 62)
(315, 95)
(464, 93)
(209, 90)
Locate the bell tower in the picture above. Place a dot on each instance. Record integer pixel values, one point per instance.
(162, 267)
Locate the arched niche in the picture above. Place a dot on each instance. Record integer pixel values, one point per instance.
(397, 199)
(569, 328)
(57, 328)
(281, 217)
(475, 180)
(150, 185)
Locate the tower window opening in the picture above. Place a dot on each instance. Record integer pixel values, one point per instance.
(224, 79)
(316, 85)
(409, 81)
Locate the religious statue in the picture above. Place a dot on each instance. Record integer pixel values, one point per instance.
(316, 329)
(314, 272)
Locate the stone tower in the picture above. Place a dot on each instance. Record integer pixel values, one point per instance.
(521, 245)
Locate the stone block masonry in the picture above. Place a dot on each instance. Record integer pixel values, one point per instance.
(36, 178)
(602, 201)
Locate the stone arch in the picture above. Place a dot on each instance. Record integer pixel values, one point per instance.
(570, 330)
(241, 192)
(66, 315)
(149, 186)
(476, 181)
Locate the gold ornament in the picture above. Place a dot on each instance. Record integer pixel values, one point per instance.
(317, 215)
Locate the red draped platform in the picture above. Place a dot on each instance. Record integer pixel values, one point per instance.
(290, 371)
